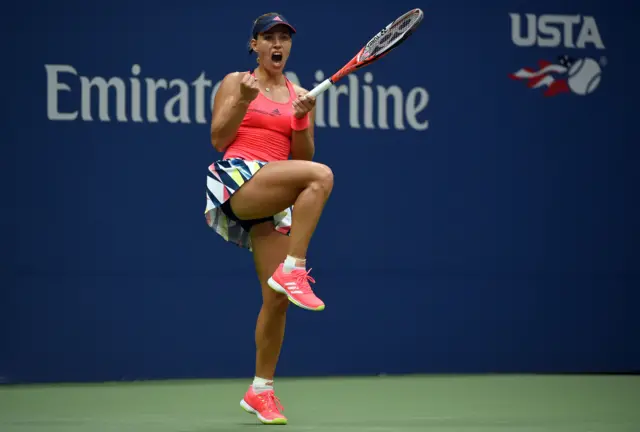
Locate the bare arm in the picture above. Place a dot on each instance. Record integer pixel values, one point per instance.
(229, 108)
(302, 142)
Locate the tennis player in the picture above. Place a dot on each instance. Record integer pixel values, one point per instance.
(264, 124)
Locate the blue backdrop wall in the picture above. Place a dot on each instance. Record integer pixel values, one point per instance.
(511, 248)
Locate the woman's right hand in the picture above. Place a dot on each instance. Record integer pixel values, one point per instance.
(249, 88)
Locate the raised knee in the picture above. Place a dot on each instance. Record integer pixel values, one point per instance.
(324, 177)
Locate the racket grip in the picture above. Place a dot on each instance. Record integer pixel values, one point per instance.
(320, 88)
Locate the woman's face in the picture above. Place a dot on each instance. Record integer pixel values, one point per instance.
(273, 47)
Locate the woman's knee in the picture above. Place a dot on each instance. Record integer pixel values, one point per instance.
(322, 177)
(275, 303)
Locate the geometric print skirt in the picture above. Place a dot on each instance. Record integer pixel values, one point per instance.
(224, 178)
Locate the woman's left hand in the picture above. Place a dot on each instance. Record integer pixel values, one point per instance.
(303, 104)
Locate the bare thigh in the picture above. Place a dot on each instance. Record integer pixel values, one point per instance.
(275, 187)
(269, 250)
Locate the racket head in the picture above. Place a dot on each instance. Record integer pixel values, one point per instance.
(391, 36)
(386, 40)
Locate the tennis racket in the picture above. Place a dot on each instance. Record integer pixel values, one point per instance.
(380, 45)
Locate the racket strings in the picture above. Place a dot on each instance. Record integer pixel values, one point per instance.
(392, 34)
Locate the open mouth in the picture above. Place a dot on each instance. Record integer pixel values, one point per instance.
(276, 57)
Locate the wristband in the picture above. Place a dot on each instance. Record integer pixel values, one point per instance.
(298, 124)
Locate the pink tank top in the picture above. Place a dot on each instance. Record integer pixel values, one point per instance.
(265, 132)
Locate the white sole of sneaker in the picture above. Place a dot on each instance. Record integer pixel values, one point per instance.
(279, 288)
(245, 406)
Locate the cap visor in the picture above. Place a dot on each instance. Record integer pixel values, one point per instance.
(272, 25)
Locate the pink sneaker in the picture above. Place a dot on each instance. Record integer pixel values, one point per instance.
(296, 286)
(266, 406)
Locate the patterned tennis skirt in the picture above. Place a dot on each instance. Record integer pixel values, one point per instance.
(223, 179)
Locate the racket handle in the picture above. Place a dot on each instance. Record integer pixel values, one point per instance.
(320, 88)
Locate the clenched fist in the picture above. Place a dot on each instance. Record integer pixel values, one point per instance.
(249, 88)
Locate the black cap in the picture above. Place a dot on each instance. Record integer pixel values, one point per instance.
(267, 22)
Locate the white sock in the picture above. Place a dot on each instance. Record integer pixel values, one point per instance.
(261, 385)
(290, 264)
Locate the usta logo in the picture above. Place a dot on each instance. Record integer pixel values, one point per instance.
(138, 99)
(567, 74)
(555, 30)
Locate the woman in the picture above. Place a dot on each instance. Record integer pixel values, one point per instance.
(264, 124)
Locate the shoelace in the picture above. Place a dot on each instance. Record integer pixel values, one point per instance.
(303, 279)
(271, 402)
